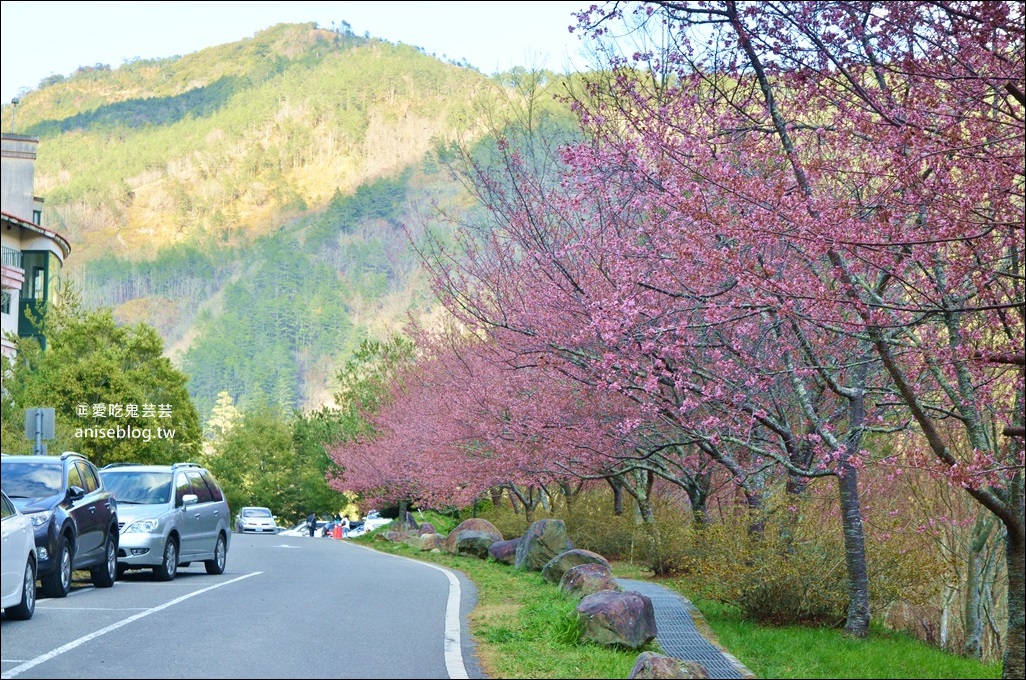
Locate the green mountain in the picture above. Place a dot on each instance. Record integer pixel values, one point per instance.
(255, 201)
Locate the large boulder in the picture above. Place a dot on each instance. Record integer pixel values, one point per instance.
(504, 551)
(474, 543)
(585, 579)
(613, 618)
(426, 528)
(408, 523)
(425, 542)
(542, 541)
(555, 568)
(394, 535)
(654, 666)
(472, 524)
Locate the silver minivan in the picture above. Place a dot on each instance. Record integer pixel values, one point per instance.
(169, 516)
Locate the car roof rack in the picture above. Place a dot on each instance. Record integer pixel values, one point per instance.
(174, 465)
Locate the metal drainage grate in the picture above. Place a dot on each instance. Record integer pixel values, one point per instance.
(676, 631)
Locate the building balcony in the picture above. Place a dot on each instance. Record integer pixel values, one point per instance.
(13, 276)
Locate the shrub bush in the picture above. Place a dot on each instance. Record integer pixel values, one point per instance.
(509, 524)
(794, 571)
(592, 525)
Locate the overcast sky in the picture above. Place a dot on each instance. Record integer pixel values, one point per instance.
(39, 39)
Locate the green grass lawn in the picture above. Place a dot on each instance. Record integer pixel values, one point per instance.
(803, 652)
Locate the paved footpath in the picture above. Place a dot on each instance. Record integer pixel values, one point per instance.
(677, 634)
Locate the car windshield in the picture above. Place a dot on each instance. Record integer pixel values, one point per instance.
(138, 487)
(31, 480)
(256, 512)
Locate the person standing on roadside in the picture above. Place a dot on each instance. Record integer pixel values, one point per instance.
(311, 522)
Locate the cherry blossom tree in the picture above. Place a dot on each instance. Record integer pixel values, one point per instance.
(861, 163)
(842, 178)
(591, 286)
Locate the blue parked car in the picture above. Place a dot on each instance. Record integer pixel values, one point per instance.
(75, 518)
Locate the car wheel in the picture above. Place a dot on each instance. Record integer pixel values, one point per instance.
(24, 609)
(58, 584)
(169, 565)
(104, 575)
(216, 565)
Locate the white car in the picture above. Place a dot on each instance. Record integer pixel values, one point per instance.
(256, 520)
(303, 529)
(374, 521)
(18, 558)
(371, 522)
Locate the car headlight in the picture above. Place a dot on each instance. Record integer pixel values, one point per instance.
(41, 518)
(142, 526)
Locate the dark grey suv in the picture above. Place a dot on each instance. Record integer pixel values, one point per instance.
(171, 516)
(74, 518)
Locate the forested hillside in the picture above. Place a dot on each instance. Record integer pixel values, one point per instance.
(253, 201)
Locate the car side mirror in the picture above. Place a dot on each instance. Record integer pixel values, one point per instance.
(75, 493)
(189, 499)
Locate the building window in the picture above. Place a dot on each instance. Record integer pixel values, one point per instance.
(5, 302)
(41, 268)
(37, 217)
(39, 284)
(35, 264)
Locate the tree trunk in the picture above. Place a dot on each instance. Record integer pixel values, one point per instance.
(1015, 551)
(526, 499)
(638, 483)
(644, 506)
(973, 621)
(973, 615)
(857, 623)
(543, 498)
(642, 492)
(947, 594)
(617, 495)
(569, 494)
(530, 502)
(801, 453)
(756, 518)
(698, 495)
(514, 502)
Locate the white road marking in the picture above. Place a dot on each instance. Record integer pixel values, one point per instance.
(453, 648)
(18, 670)
(95, 609)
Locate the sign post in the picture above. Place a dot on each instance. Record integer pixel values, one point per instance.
(39, 425)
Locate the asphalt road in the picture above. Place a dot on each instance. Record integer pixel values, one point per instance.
(284, 608)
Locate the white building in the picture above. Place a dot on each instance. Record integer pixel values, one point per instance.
(32, 254)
